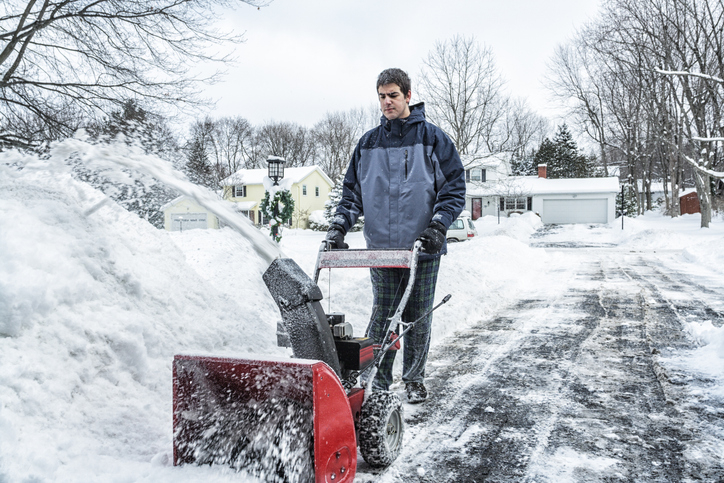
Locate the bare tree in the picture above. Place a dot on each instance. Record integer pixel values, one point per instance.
(290, 141)
(647, 80)
(92, 54)
(575, 80)
(462, 90)
(686, 39)
(336, 137)
(226, 145)
(525, 132)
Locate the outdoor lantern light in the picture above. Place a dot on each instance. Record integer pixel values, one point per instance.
(275, 167)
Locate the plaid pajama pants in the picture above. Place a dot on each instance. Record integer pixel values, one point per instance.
(388, 285)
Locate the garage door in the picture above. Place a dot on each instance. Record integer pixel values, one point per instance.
(575, 211)
(187, 221)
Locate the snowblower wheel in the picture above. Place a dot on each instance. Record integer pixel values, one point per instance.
(381, 427)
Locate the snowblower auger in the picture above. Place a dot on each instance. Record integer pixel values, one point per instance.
(294, 420)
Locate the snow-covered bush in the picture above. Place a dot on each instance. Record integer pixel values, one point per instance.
(317, 221)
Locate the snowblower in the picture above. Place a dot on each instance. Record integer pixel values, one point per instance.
(301, 419)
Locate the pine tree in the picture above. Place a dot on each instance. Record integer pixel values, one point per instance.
(565, 159)
(545, 155)
(630, 203)
(197, 167)
(330, 207)
(523, 164)
(562, 157)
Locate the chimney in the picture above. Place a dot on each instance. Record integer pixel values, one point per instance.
(542, 170)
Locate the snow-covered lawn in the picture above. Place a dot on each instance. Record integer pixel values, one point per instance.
(94, 303)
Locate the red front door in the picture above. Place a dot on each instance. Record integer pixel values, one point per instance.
(477, 208)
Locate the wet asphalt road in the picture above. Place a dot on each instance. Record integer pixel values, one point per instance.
(571, 383)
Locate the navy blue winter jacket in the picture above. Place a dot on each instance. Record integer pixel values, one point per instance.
(403, 174)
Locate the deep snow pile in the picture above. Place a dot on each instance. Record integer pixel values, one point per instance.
(94, 303)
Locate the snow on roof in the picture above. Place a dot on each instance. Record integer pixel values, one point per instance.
(172, 202)
(496, 160)
(256, 176)
(533, 185)
(178, 199)
(245, 205)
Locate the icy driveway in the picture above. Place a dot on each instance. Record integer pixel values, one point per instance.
(579, 381)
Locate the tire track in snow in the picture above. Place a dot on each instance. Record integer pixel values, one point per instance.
(555, 389)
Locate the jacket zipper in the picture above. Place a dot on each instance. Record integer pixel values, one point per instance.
(405, 164)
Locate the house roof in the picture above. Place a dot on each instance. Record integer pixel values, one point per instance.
(256, 176)
(178, 199)
(495, 161)
(533, 185)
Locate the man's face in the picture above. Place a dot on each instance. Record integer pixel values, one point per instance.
(393, 103)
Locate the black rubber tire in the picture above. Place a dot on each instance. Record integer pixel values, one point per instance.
(381, 428)
(452, 240)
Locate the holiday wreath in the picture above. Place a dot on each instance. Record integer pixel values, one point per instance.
(285, 208)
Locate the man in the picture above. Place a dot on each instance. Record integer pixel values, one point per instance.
(407, 180)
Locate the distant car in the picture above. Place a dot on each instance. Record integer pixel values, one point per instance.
(462, 229)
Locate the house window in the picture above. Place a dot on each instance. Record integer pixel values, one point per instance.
(304, 190)
(316, 191)
(249, 214)
(513, 204)
(240, 191)
(475, 174)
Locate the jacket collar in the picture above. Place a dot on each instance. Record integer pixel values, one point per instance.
(402, 126)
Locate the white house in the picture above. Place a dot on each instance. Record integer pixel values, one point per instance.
(556, 201)
(483, 169)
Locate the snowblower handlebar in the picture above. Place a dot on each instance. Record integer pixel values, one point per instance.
(359, 258)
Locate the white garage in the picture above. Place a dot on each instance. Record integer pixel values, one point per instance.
(188, 221)
(185, 213)
(575, 200)
(562, 211)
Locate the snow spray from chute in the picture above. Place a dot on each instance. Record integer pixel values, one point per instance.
(113, 158)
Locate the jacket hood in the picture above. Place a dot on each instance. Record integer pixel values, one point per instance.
(417, 114)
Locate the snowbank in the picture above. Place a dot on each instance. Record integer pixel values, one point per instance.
(94, 303)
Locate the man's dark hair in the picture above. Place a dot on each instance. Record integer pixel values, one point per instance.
(395, 76)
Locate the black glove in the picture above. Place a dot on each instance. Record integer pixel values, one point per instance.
(433, 237)
(335, 235)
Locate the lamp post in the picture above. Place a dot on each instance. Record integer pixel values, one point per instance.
(275, 168)
(275, 171)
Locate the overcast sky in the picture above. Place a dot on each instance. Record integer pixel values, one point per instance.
(302, 59)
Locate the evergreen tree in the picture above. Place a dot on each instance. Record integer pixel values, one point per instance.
(630, 203)
(197, 167)
(562, 157)
(330, 206)
(523, 164)
(545, 155)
